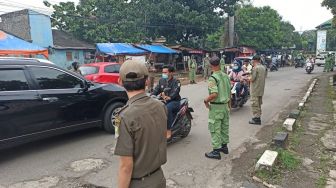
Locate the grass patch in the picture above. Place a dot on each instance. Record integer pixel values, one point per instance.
(274, 176)
(288, 160)
(321, 182)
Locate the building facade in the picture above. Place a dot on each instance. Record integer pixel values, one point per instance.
(36, 28)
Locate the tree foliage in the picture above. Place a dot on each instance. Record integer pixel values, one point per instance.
(263, 28)
(180, 21)
(330, 4)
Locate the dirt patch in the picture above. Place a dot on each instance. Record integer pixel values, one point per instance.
(305, 144)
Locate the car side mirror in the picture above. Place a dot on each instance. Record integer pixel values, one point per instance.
(85, 87)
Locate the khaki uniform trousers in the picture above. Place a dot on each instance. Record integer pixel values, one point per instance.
(156, 180)
(256, 102)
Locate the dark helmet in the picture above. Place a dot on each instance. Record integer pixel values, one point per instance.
(75, 64)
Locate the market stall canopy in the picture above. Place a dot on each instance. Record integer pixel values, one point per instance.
(180, 48)
(11, 45)
(119, 49)
(157, 48)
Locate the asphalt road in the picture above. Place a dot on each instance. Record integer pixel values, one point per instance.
(85, 158)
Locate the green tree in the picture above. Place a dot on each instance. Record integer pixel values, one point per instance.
(263, 28)
(180, 21)
(330, 4)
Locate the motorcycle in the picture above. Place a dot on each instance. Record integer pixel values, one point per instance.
(273, 67)
(182, 123)
(238, 99)
(299, 63)
(309, 67)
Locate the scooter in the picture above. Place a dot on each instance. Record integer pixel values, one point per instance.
(238, 99)
(273, 67)
(299, 63)
(182, 123)
(309, 67)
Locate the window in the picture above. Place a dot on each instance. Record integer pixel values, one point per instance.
(13, 80)
(69, 56)
(54, 79)
(112, 69)
(87, 70)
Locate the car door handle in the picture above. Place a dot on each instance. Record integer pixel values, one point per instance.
(50, 99)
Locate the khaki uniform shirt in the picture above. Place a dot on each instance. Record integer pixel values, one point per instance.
(206, 62)
(258, 81)
(142, 134)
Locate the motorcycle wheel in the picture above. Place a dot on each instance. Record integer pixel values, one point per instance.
(186, 127)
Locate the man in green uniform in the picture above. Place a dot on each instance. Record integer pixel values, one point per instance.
(218, 103)
(222, 64)
(192, 69)
(206, 67)
(257, 89)
(332, 62)
(140, 129)
(327, 64)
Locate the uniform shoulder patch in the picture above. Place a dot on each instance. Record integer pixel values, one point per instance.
(117, 120)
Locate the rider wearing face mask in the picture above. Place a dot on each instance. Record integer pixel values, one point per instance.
(171, 96)
(237, 76)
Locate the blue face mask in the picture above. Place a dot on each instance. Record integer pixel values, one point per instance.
(165, 76)
(235, 67)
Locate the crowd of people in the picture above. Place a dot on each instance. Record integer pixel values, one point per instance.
(143, 125)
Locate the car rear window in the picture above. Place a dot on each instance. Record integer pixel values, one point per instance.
(112, 68)
(87, 70)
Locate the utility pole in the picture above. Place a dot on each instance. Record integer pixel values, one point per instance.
(231, 30)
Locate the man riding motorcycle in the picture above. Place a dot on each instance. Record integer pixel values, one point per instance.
(172, 96)
(237, 75)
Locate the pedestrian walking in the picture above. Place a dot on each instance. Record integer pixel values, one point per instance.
(206, 67)
(192, 69)
(257, 80)
(218, 103)
(140, 129)
(222, 64)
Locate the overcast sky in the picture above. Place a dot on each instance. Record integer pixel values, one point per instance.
(303, 14)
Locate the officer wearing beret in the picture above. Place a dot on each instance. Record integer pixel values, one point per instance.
(218, 103)
(140, 129)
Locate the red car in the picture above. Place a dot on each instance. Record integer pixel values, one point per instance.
(102, 72)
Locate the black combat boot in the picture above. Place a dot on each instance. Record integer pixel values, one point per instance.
(255, 121)
(224, 149)
(214, 154)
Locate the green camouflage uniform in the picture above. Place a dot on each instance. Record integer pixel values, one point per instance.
(219, 83)
(257, 89)
(192, 69)
(327, 64)
(222, 65)
(332, 63)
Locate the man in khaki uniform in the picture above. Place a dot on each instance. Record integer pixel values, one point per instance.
(206, 67)
(257, 89)
(140, 129)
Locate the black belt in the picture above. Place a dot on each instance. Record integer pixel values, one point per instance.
(147, 175)
(217, 103)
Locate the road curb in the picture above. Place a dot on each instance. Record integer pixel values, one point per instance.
(307, 95)
(267, 160)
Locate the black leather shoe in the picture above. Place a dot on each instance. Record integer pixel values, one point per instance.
(215, 154)
(224, 149)
(255, 121)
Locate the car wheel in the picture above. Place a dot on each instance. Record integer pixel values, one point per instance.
(110, 115)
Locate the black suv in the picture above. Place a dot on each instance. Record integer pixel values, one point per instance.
(39, 100)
